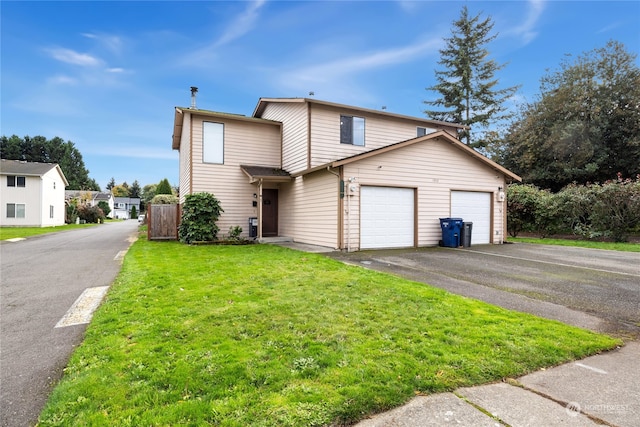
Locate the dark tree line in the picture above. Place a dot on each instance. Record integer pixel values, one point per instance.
(41, 150)
(585, 126)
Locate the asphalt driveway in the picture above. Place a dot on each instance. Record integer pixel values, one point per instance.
(589, 288)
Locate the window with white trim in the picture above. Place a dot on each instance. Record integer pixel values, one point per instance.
(50, 211)
(15, 210)
(213, 142)
(352, 130)
(16, 181)
(421, 131)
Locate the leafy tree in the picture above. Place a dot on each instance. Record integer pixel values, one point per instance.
(39, 149)
(134, 190)
(200, 212)
(467, 84)
(111, 184)
(585, 127)
(105, 207)
(120, 191)
(164, 187)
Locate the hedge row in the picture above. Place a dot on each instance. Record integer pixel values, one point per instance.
(610, 210)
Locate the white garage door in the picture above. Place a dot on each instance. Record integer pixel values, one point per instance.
(386, 217)
(473, 207)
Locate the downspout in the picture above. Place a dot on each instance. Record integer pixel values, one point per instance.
(260, 210)
(340, 220)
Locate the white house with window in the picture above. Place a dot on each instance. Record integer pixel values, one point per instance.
(123, 206)
(31, 194)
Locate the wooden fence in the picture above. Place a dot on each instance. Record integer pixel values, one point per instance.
(163, 222)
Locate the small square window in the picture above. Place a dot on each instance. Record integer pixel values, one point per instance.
(352, 130)
(15, 210)
(20, 181)
(422, 131)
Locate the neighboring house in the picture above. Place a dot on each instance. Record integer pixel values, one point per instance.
(91, 198)
(339, 176)
(32, 194)
(123, 206)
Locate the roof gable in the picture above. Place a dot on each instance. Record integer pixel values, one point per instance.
(21, 167)
(431, 136)
(262, 104)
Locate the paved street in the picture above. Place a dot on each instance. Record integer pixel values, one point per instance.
(41, 279)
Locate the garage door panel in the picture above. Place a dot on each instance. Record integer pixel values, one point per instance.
(474, 207)
(386, 217)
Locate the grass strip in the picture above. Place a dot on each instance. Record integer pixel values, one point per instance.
(266, 336)
(18, 232)
(612, 246)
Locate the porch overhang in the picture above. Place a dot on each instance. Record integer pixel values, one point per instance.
(265, 174)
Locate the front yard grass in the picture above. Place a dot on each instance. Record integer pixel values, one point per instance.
(18, 232)
(266, 336)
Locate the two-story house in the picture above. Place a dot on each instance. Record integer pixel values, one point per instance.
(31, 194)
(91, 198)
(339, 176)
(123, 206)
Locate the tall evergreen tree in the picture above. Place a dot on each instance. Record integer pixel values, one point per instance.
(39, 149)
(467, 85)
(164, 187)
(134, 190)
(111, 184)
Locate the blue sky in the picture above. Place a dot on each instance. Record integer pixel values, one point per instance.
(107, 75)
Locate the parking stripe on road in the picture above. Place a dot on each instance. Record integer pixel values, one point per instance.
(82, 310)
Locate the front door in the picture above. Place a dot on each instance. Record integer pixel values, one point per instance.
(269, 212)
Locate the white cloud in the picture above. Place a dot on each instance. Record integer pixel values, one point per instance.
(527, 29)
(115, 70)
(72, 57)
(304, 78)
(112, 43)
(243, 23)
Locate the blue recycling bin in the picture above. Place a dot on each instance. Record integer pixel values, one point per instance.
(451, 232)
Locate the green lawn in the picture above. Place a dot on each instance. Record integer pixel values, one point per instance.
(626, 247)
(17, 232)
(266, 336)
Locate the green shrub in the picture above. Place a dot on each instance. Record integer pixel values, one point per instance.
(234, 233)
(134, 212)
(592, 211)
(164, 199)
(105, 207)
(200, 212)
(91, 214)
(522, 204)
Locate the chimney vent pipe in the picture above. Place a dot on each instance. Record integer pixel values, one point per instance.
(194, 90)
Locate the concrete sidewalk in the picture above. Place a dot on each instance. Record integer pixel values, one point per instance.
(599, 390)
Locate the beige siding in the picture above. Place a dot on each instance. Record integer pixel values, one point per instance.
(185, 157)
(293, 117)
(244, 143)
(309, 209)
(380, 131)
(435, 168)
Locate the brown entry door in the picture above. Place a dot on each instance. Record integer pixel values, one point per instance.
(269, 212)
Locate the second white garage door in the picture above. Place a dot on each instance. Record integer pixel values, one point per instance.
(386, 217)
(473, 207)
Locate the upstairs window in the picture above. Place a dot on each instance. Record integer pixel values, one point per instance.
(16, 181)
(422, 131)
(352, 130)
(213, 142)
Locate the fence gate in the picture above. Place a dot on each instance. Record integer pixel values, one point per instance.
(162, 222)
